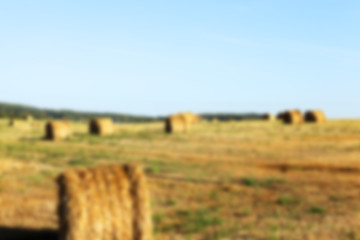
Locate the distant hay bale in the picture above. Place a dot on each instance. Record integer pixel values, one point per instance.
(315, 116)
(14, 122)
(28, 118)
(196, 118)
(175, 124)
(190, 118)
(268, 117)
(181, 122)
(280, 116)
(104, 203)
(57, 130)
(18, 123)
(293, 117)
(214, 120)
(101, 126)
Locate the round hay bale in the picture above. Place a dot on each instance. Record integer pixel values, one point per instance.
(280, 116)
(293, 117)
(14, 122)
(181, 122)
(175, 124)
(187, 118)
(101, 126)
(196, 118)
(104, 203)
(268, 117)
(215, 120)
(190, 118)
(57, 130)
(315, 116)
(28, 118)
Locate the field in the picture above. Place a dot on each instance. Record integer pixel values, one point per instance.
(221, 180)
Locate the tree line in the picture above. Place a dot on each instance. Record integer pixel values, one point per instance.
(9, 110)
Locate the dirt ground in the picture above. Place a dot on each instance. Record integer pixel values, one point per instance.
(221, 180)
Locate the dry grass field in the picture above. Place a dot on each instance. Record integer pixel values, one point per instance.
(223, 180)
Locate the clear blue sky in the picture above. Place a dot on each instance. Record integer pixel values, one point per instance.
(158, 57)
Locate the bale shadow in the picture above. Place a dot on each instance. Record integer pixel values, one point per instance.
(8, 233)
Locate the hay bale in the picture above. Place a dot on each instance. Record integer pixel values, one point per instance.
(196, 118)
(190, 118)
(19, 123)
(293, 117)
(175, 124)
(57, 130)
(14, 122)
(280, 116)
(268, 117)
(215, 120)
(101, 126)
(181, 122)
(104, 203)
(315, 116)
(28, 118)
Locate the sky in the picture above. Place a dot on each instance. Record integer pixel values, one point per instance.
(160, 57)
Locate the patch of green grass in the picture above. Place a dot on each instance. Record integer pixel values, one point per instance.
(246, 211)
(36, 178)
(213, 195)
(47, 173)
(351, 235)
(250, 182)
(269, 182)
(93, 140)
(197, 221)
(337, 198)
(223, 233)
(273, 230)
(158, 218)
(80, 161)
(102, 155)
(266, 183)
(277, 214)
(190, 222)
(154, 168)
(145, 135)
(171, 202)
(317, 210)
(56, 154)
(288, 200)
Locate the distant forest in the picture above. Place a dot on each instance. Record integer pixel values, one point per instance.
(8, 110)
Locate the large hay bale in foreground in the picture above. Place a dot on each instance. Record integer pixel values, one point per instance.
(315, 116)
(293, 117)
(101, 126)
(104, 203)
(57, 130)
